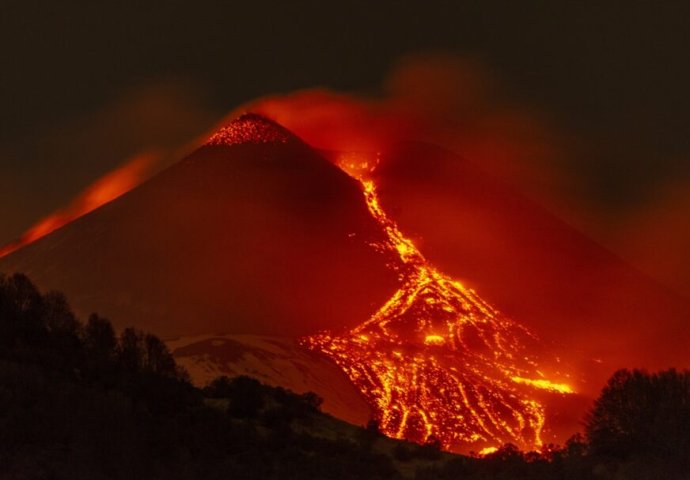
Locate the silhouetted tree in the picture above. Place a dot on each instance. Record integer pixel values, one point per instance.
(63, 330)
(157, 357)
(99, 337)
(367, 436)
(431, 450)
(130, 350)
(19, 296)
(219, 387)
(246, 397)
(311, 401)
(20, 310)
(373, 426)
(58, 316)
(642, 414)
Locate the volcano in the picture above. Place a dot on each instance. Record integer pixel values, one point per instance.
(407, 285)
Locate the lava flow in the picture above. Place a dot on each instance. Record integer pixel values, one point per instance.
(104, 190)
(436, 361)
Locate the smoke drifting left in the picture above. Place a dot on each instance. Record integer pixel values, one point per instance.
(461, 105)
(448, 101)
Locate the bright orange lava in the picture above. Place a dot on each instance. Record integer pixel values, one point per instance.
(249, 128)
(106, 189)
(435, 359)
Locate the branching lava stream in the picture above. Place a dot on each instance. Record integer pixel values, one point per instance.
(437, 361)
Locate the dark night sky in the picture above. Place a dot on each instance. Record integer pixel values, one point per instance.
(613, 76)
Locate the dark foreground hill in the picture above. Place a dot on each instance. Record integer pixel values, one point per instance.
(78, 401)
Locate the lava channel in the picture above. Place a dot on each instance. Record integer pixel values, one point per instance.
(436, 361)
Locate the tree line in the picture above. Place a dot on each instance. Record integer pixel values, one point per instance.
(78, 400)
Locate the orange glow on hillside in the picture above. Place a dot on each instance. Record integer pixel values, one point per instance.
(106, 189)
(436, 359)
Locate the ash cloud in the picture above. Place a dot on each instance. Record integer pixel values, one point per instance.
(446, 100)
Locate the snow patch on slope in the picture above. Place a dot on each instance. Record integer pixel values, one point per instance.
(276, 361)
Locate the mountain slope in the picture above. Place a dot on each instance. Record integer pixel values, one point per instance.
(252, 233)
(599, 313)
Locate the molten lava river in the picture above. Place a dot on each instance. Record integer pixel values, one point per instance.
(437, 361)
